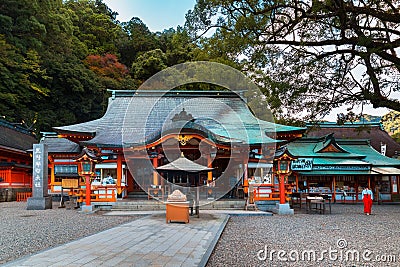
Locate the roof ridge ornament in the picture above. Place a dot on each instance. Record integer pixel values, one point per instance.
(88, 154)
(182, 116)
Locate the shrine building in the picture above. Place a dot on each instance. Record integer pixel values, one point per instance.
(15, 161)
(221, 134)
(142, 131)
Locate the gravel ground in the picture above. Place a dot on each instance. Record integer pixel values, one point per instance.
(24, 232)
(334, 238)
(299, 240)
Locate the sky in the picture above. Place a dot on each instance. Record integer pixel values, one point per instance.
(159, 15)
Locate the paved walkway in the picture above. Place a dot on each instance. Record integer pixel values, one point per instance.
(148, 241)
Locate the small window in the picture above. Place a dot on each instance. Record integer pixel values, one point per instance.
(65, 169)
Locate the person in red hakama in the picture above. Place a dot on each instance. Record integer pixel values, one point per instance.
(367, 198)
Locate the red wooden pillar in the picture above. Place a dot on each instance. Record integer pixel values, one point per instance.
(88, 189)
(119, 173)
(209, 165)
(155, 176)
(282, 195)
(334, 189)
(9, 177)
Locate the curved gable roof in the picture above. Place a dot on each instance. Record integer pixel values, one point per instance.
(15, 136)
(148, 113)
(357, 130)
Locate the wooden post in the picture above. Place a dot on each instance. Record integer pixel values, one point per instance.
(333, 189)
(155, 165)
(209, 165)
(9, 177)
(297, 183)
(119, 173)
(282, 197)
(52, 175)
(245, 171)
(88, 189)
(356, 184)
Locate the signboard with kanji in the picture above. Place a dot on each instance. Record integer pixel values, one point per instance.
(40, 171)
(302, 164)
(70, 183)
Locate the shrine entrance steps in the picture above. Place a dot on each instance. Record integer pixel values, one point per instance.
(153, 205)
(138, 195)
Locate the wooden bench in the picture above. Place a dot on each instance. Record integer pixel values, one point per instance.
(315, 203)
(295, 200)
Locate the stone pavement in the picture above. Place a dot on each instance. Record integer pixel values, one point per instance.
(148, 241)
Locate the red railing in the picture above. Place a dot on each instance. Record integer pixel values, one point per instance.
(269, 192)
(23, 196)
(106, 195)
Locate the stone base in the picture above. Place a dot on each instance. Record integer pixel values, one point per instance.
(39, 203)
(87, 209)
(283, 209)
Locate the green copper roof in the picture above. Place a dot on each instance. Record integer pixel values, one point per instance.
(371, 155)
(279, 128)
(338, 161)
(352, 153)
(334, 173)
(355, 124)
(136, 118)
(311, 147)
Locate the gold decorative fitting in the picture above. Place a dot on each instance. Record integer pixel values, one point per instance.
(183, 139)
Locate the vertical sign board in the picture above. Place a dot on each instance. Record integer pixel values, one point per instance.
(40, 169)
(40, 199)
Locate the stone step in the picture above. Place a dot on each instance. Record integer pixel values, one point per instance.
(147, 205)
(137, 195)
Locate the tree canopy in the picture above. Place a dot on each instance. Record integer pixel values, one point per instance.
(391, 123)
(57, 58)
(309, 56)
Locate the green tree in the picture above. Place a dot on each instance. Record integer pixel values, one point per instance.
(96, 26)
(136, 39)
(148, 64)
(307, 55)
(391, 123)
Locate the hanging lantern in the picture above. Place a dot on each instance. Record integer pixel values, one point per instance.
(283, 166)
(87, 160)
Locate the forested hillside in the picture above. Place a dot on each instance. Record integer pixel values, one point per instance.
(57, 59)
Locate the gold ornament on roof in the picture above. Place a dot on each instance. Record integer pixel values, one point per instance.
(183, 139)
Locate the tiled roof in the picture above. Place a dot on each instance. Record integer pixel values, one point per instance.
(184, 164)
(368, 130)
(15, 136)
(310, 147)
(60, 145)
(353, 152)
(371, 155)
(224, 116)
(329, 124)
